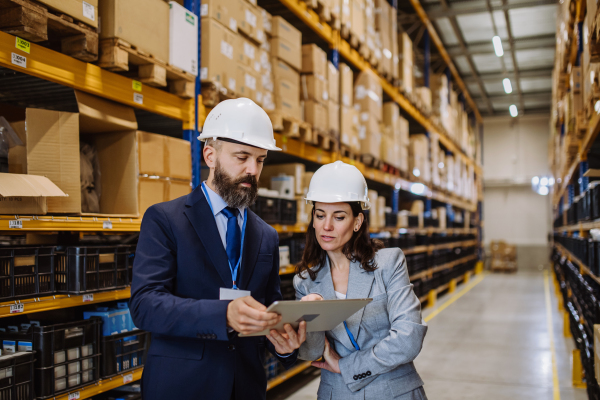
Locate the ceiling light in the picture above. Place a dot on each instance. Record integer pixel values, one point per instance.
(507, 85)
(544, 181)
(543, 190)
(498, 46)
(417, 188)
(513, 111)
(551, 182)
(416, 172)
(535, 181)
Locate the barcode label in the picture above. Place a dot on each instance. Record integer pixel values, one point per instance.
(89, 11)
(204, 10)
(128, 378)
(73, 396)
(15, 224)
(107, 225)
(138, 98)
(17, 308)
(88, 298)
(19, 60)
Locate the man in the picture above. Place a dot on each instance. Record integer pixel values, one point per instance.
(205, 269)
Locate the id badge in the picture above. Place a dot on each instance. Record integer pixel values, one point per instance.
(232, 294)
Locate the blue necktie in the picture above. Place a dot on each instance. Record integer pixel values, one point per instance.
(233, 238)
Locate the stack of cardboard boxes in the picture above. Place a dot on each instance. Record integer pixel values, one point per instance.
(314, 87)
(504, 256)
(286, 53)
(333, 104)
(348, 115)
(395, 139)
(406, 62)
(383, 26)
(419, 163)
(368, 103)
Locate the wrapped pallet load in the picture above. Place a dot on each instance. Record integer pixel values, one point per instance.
(368, 103)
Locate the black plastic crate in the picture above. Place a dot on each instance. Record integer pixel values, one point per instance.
(93, 269)
(16, 376)
(26, 272)
(67, 355)
(288, 211)
(594, 190)
(391, 219)
(123, 352)
(268, 209)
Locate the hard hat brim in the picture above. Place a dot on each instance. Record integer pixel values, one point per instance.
(204, 137)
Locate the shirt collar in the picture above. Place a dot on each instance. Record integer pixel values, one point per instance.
(218, 204)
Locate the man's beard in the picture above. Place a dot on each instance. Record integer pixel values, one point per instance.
(232, 192)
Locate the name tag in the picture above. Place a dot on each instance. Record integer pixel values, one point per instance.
(232, 294)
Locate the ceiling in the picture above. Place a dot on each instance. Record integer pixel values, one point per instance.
(527, 29)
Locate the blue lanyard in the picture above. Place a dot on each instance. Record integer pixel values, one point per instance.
(234, 271)
(351, 336)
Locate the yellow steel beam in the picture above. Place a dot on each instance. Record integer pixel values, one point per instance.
(103, 386)
(287, 375)
(62, 223)
(447, 59)
(59, 301)
(288, 269)
(65, 70)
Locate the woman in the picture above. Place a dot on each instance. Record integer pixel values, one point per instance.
(370, 355)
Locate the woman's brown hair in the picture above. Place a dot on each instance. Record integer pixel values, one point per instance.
(359, 248)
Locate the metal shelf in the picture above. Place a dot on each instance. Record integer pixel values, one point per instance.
(311, 19)
(287, 375)
(103, 386)
(288, 269)
(430, 248)
(47, 223)
(440, 289)
(580, 226)
(56, 302)
(65, 70)
(584, 269)
(442, 267)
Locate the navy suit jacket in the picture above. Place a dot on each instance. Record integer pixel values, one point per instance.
(179, 267)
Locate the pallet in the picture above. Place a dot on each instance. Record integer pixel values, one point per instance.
(347, 152)
(291, 127)
(390, 169)
(36, 23)
(117, 55)
(213, 93)
(324, 140)
(370, 161)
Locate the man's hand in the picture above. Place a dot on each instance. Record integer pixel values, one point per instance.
(312, 297)
(331, 359)
(289, 341)
(246, 315)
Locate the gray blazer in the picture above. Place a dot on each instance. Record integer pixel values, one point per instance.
(389, 332)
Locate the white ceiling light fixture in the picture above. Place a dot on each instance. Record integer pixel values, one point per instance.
(513, 111)
(507, 85)
(498, 46)
(417, 188)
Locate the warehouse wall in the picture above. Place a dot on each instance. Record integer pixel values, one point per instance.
(515, 150)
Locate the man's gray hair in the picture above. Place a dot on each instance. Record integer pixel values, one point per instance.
(214, 143)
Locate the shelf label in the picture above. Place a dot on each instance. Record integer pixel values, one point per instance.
(15, 224)
(88, 298)
(137, 85)
(23, 45)
(138, 98)
(127, 378)
(107, 225)
(19, 60)
(17, 308)
(89, 11)
(73, 396)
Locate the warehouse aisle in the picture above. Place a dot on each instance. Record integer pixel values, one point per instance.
(490, 343)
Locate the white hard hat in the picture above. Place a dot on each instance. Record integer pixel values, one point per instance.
(338, 182)
(241, 120)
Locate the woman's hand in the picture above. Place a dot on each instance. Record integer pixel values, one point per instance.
(332, 359)
(312, 297)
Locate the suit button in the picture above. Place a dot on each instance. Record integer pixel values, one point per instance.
(368, 373)
(231, 347)
(362, 376)
(355, 377)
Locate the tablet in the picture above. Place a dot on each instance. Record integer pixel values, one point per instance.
(320, 315)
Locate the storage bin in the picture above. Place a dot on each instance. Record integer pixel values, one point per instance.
(16, 376)
(26, 272)
(123, 352)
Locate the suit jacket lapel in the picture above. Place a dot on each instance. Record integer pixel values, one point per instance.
(359, 287)
(202, 219)
(252, 243)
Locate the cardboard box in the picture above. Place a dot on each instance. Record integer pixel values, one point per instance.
(314, 88)
(26, 194)
(357, 15)
(404, 133)
(368, 94)
(391, 117)
(315, 114)
(314, 61)
(373, 212)
(153, 191)
(142, 23)
(288, 107)
(286, 51)
(575, 80)
(370, 138)
(164, 156)
(296, 170)
(390, 150)
(267, 22)
(333, 115)
(220, 50)
(347, 126)
(346, 85)
(333, 83)
(406, 62)
(282, 29)
(404, 159)
(224, 11)
(247, 82)
(84, 11)
(183, 39)
(249, 20)
(287, 90)
(394, 44)
(249, 56)
(282, 71)
(51, 149)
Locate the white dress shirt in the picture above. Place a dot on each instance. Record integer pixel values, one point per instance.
(218, 204)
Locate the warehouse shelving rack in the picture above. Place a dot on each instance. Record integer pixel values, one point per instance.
(55, 67)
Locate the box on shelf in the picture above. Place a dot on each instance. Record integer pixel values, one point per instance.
(333, 83)
(183, 38)
(82, 10)
(315, 114)
(404, 134)
(391, 117)
(280, 28)
(247, 82)
(249, 55)
(164, 156)
(26, 194)
(575, 80)
(346, 85)
(141, 23)
(333, 115)
(349, 128)
(287, 98)
(286, 51)
(369, 133)
(373, 212)
(390, 150)
(357, 15)
(157, 190)
(220, 50)
(267, 22)
(282, 71)
(424, 95)
(404, 159)
(419, 157)
(406, 62)
(368, 94)
(314, 61)
(297, 170)
(224, 11)
(249, 21)
(314, 88)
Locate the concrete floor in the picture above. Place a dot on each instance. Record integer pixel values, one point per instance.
(492, 343)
